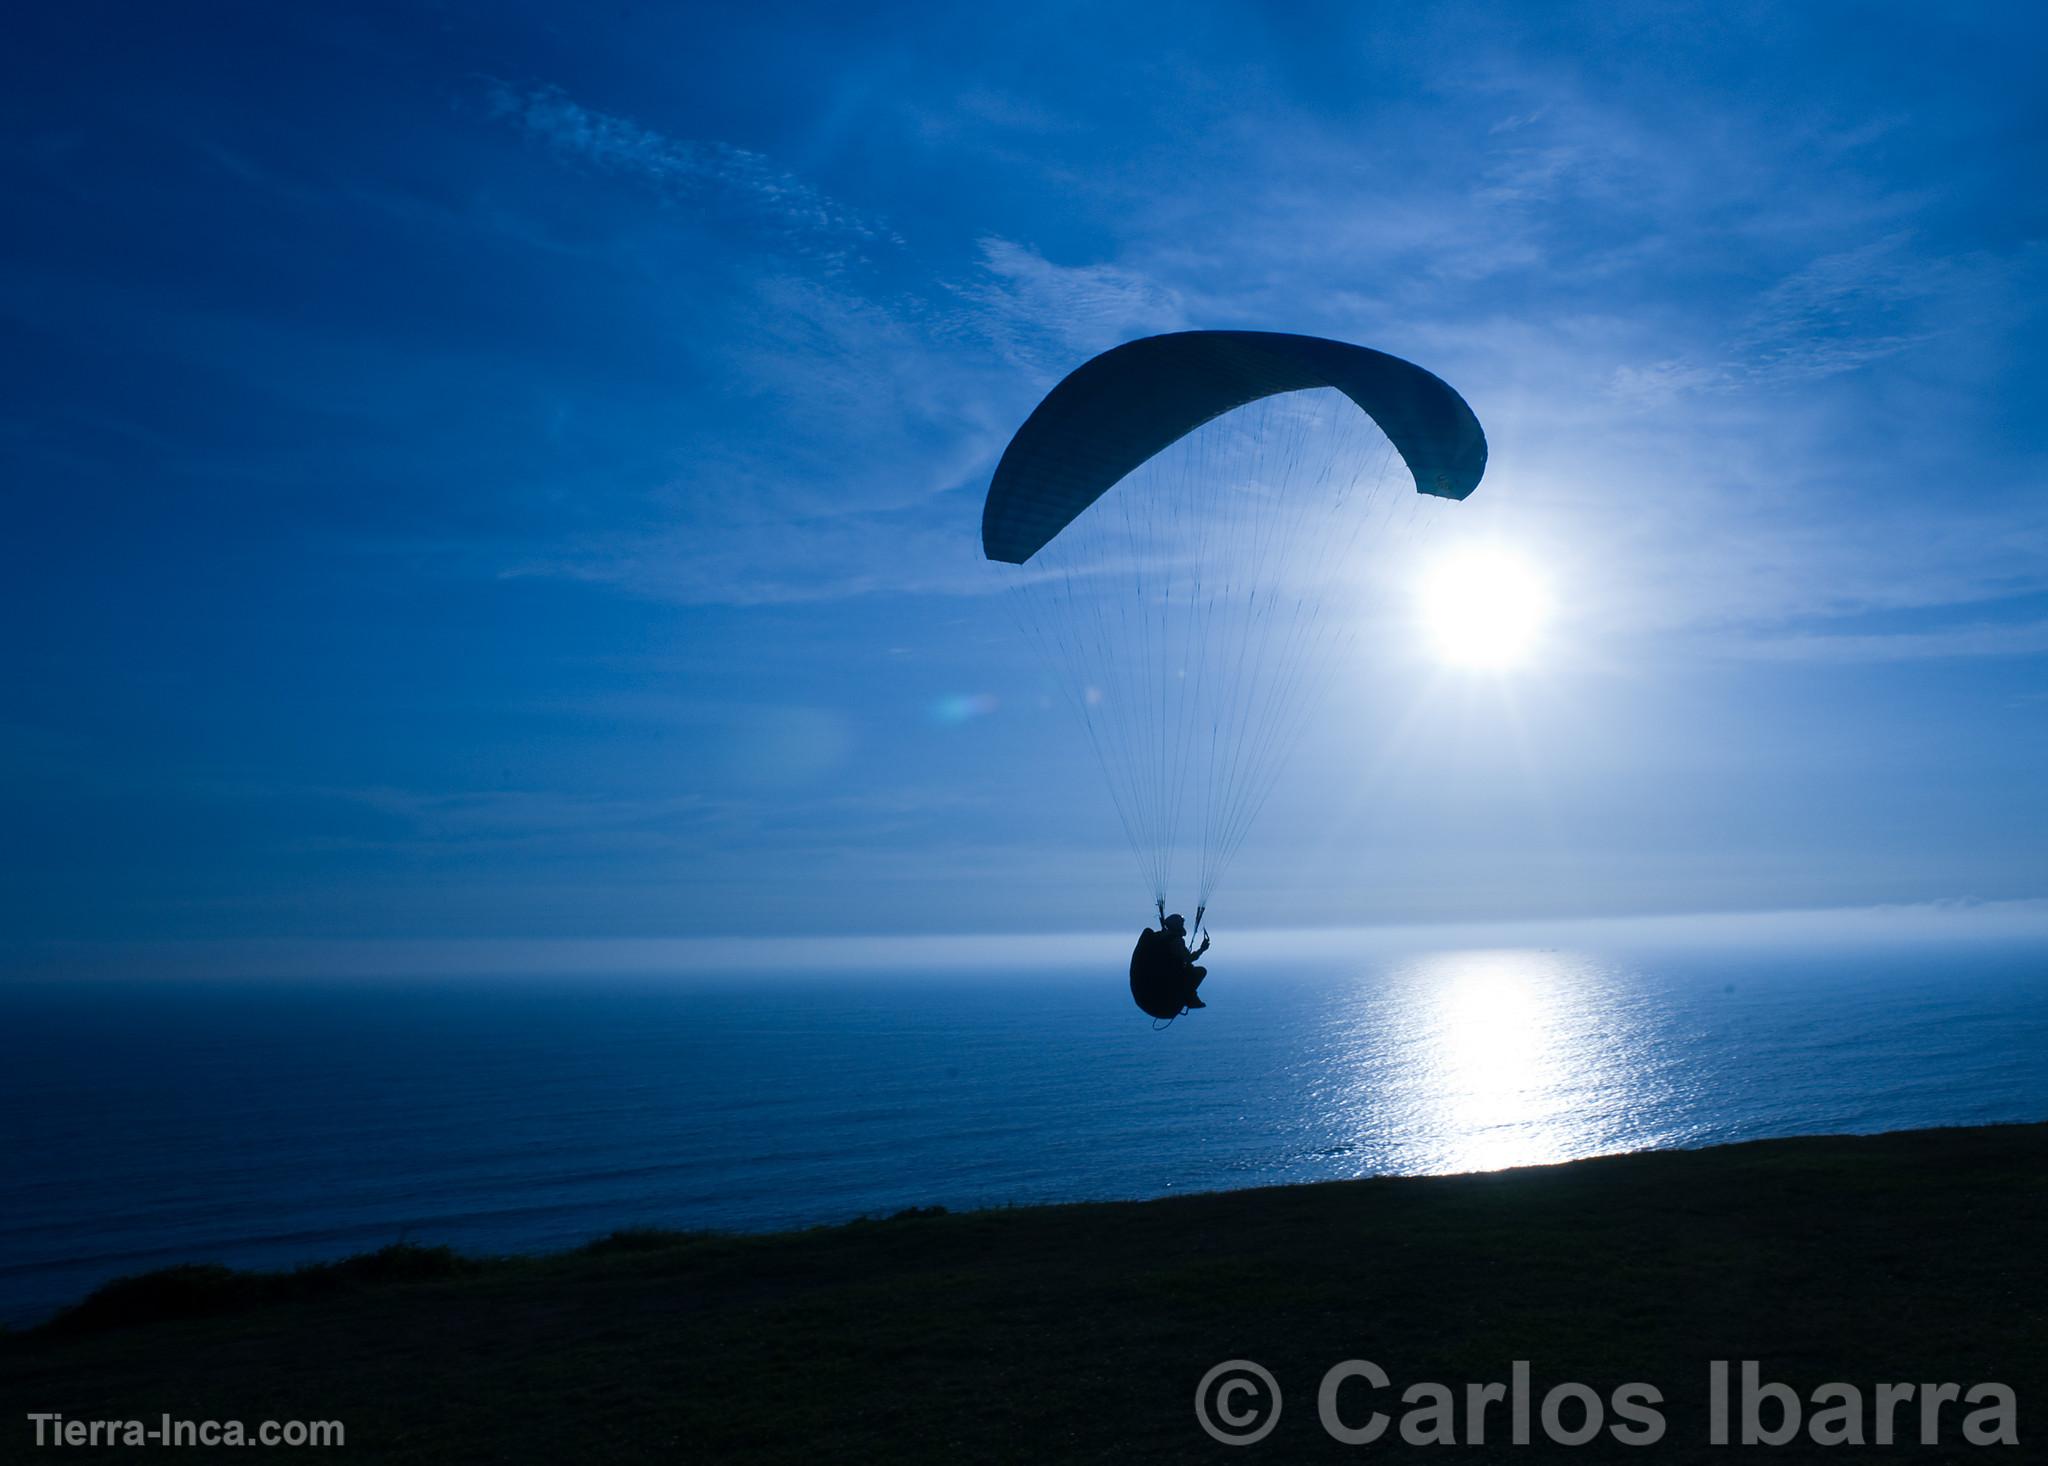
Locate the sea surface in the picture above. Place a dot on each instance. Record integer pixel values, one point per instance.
(272, 1123)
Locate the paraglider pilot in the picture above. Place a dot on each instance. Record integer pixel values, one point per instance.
(1163, 971)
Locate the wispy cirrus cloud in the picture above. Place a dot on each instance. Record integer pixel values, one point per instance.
(889, 398)
(1034, 310)
(905, 396)
(1978, 639)
(709, 172)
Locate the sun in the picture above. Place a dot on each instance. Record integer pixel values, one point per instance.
(1484, 607)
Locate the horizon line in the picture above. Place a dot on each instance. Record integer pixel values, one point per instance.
(318, 958)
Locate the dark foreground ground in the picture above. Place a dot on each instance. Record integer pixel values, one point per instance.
(1080, 1332)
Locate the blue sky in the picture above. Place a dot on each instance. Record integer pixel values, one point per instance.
(510, 472)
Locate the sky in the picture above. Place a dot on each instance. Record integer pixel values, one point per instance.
(509, 472)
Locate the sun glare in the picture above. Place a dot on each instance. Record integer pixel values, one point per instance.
(1484, 608)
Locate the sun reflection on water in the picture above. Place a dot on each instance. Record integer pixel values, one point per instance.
(1479, 1060)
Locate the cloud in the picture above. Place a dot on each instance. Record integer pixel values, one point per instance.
(1842, 311)
(694, 171)
(1698, 404)
(1837, 313)
(1653, 384)
(1035, 311)
(876, 402)
(1979, 639)
(1517, 121)
(1529, 175)
(984, 112)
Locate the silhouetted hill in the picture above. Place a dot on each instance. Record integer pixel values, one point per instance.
(1080, 1332)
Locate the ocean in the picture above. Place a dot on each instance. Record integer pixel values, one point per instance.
(273, 1123)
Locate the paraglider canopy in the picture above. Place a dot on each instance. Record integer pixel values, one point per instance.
(1188, 522)
(1119, 409)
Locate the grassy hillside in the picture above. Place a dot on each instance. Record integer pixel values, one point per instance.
(1081, 1331)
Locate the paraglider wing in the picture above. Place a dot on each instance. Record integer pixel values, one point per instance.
(1120, 408)
(1173, 519)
